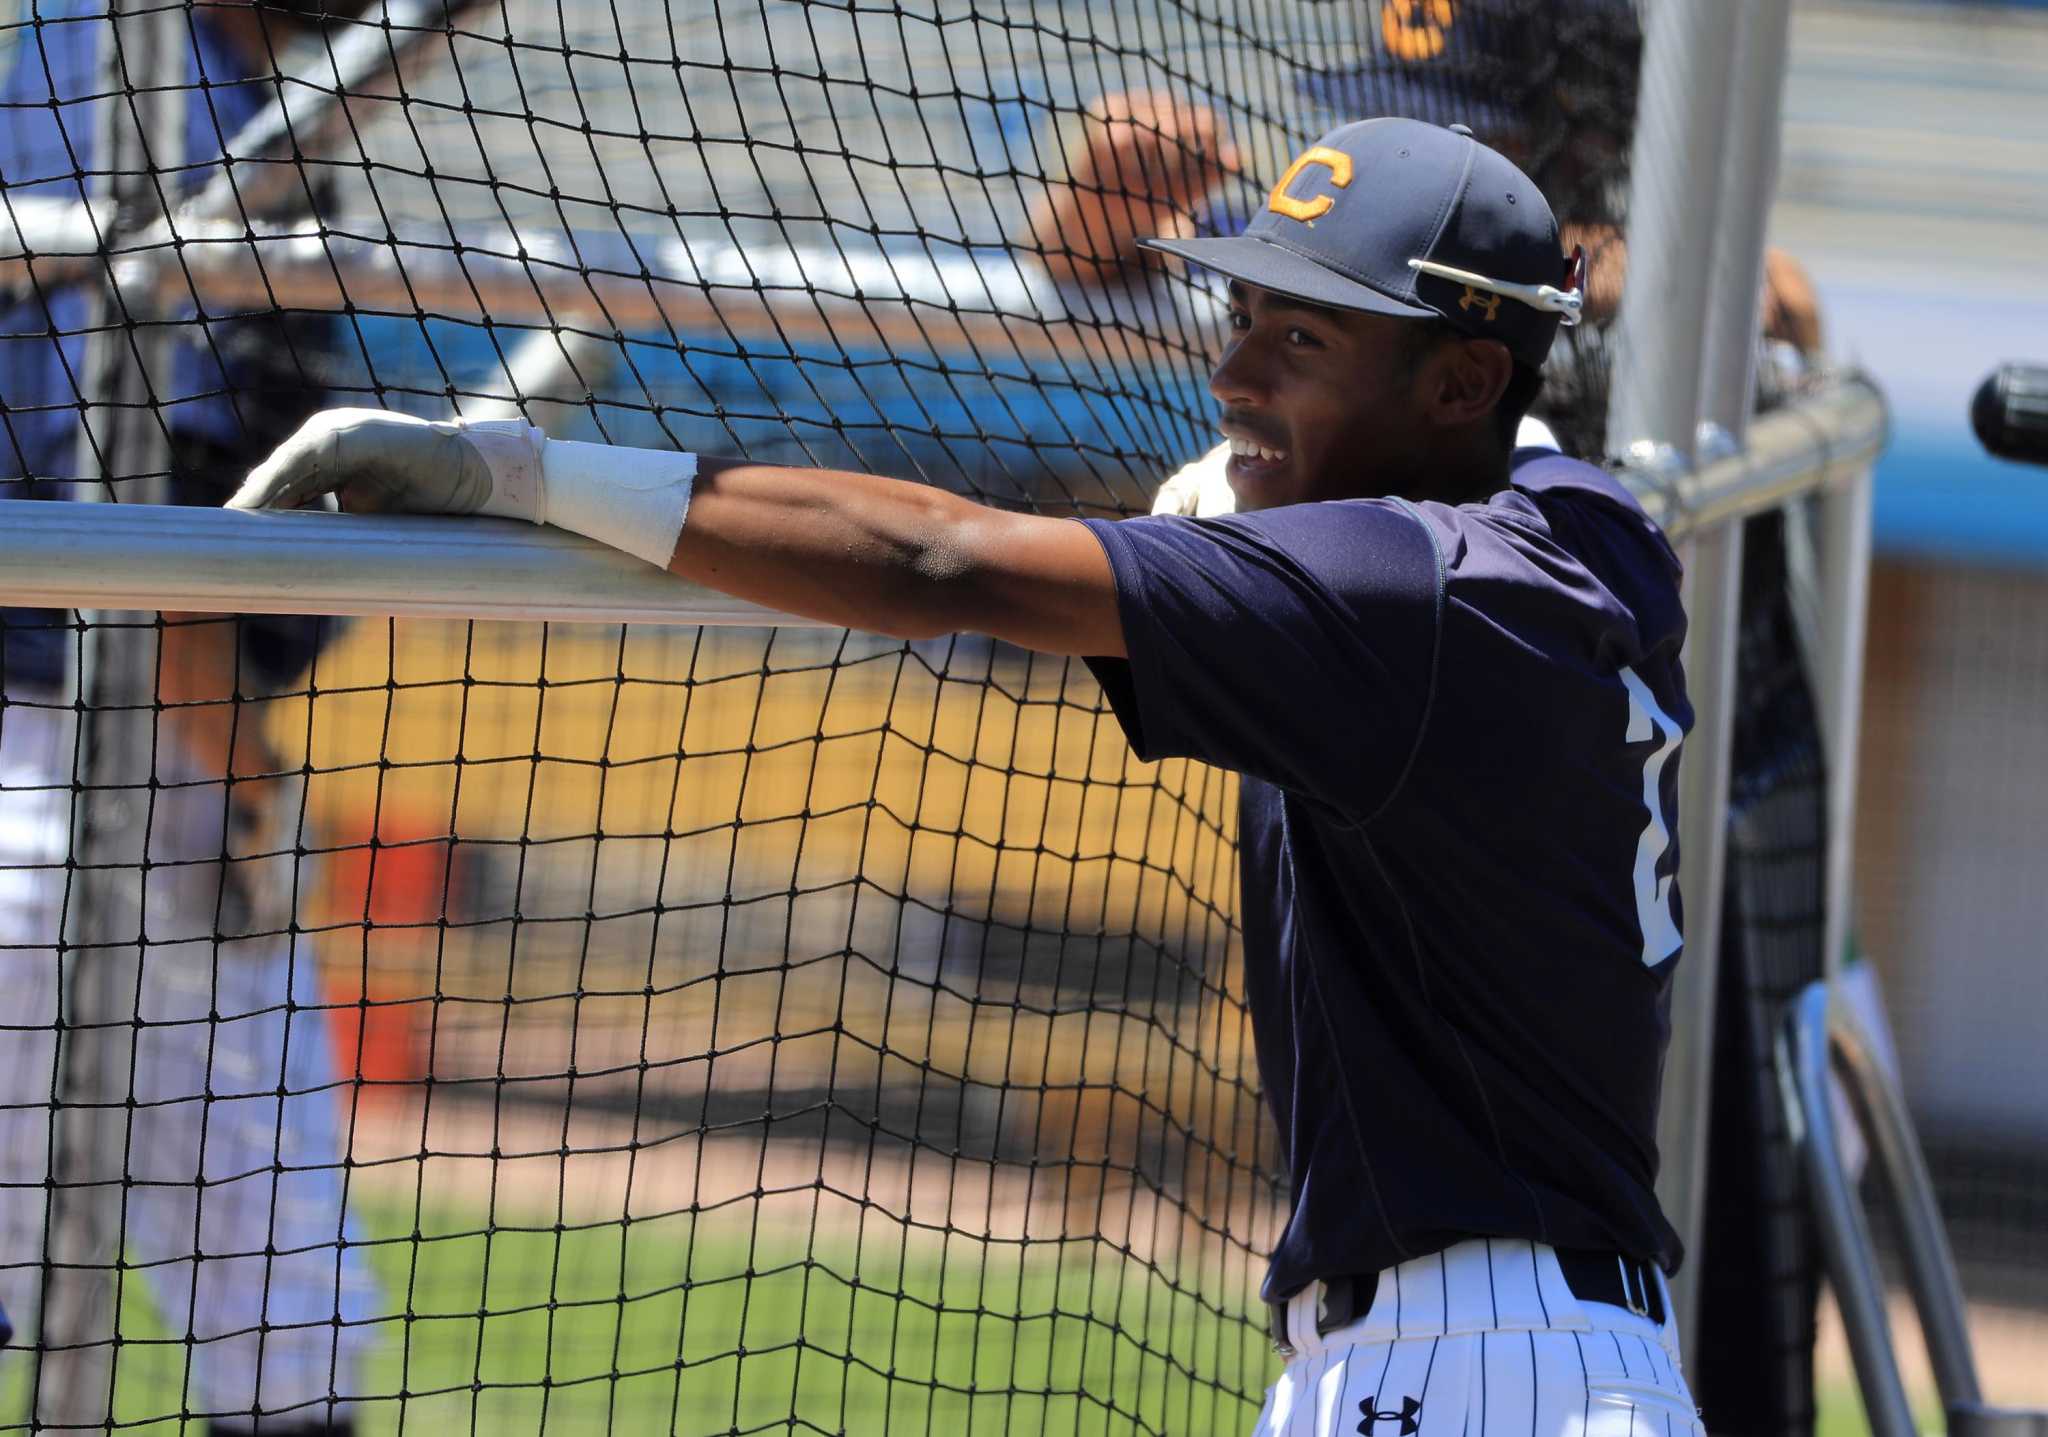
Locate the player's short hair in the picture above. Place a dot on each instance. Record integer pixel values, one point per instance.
(1421, 336)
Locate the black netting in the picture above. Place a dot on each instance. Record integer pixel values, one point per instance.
(706, 1031)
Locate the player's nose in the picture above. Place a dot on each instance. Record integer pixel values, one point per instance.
(1240, 376)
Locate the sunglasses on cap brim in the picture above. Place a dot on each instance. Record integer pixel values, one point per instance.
(1568, 304)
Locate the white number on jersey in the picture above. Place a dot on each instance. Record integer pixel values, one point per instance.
(1653, 894)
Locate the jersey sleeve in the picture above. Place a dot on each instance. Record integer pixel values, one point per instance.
(1296, 645)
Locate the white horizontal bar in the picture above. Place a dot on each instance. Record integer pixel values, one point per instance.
(153, 556)
(142, 556)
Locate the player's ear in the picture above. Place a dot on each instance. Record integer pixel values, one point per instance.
(1467, 381)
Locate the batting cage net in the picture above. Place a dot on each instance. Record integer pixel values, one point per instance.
(433, 1024)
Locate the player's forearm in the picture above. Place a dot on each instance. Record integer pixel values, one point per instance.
(847, 549)
(897, 558)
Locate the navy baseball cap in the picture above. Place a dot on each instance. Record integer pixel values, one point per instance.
(1403, 218)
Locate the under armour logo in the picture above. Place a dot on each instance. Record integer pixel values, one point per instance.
(1488, 302)
(1410, 1416)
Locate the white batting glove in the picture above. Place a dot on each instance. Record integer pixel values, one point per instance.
(1198, 489)
(399, 464)
(632, 499)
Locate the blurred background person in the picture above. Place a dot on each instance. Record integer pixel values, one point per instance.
(275, 1311)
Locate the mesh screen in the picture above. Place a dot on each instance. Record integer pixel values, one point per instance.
(1949, 834)
(632, 1028)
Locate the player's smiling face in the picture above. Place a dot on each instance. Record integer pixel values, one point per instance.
(1317, 403)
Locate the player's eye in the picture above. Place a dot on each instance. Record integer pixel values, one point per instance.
(1301, 338)
(1240, 320)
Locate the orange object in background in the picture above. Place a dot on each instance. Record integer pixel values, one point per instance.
(378, 901)
(399, 879)
(379, 1045)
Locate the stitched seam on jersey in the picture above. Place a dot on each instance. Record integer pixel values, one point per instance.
(1436, 649)
(1457, 1039)
(1315, 983)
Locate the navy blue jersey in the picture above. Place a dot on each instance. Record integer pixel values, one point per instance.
(1458, 730)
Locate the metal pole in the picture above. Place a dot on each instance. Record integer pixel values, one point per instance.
(1748, 168)
(1805, 1061)
(1677, 172)
(1844, 618)
(1749, 180)
(226, 561)
(143, 70)
(1930, 1262)
(1712, 599)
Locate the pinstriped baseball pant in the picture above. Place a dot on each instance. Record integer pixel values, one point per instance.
(1481, 1340)
(206, 1100)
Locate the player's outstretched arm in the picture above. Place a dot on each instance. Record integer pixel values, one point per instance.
(843, 548)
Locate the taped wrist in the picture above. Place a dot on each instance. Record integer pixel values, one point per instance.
(631, 499)
(511, 449)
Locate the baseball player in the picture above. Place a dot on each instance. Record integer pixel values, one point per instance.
(234, 1214)
(1552, 84)
(1448, 672)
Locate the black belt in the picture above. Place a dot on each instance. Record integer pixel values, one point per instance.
(1592, 1276)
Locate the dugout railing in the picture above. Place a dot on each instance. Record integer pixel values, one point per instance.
(561, 300)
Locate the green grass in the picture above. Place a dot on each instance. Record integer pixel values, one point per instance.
(667, 1326)
(1839, 1411)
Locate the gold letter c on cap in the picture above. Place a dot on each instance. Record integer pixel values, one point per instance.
(1335, 161)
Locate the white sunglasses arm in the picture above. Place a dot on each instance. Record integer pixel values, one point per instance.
(1565, 303)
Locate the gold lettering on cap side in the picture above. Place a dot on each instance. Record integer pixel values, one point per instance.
(1489, 303)
(1416, 29)
(1335, 161)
